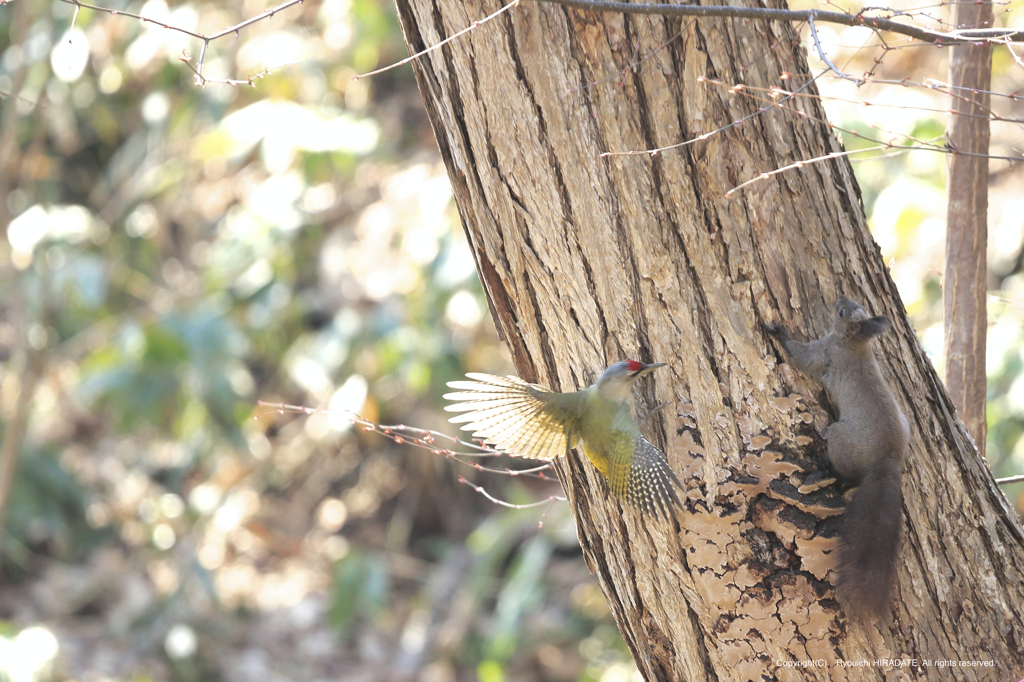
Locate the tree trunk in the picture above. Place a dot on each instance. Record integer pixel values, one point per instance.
(965, 285)
(588, 260)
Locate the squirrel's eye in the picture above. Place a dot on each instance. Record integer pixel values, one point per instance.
(842, 313)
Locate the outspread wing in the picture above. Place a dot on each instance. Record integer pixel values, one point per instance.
(515, 416)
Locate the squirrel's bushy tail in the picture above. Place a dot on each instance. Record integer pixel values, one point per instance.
(869, 541)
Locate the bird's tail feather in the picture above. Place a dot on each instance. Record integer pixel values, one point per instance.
(652, 483)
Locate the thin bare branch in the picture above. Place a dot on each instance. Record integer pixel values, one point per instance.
(878, 23)
(632, 66)
(427, 439)
(503, 503)
(252, 20)
(824, 57)
(817, 159)
(514, 3)
(779, 96)
(866, 103)
(202, 81)
(704, 136)
(423, 438)
(206, 39)
(146, 20)
(776, 92)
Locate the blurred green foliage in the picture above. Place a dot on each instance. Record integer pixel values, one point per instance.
(47, 508)
(360, 589)
(175, 253)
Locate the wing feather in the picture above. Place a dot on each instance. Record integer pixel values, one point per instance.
(620, 463)
(515, 416)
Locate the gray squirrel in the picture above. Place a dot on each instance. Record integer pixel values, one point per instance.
(866, 446)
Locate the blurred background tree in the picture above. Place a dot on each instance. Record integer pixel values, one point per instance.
(173, 253)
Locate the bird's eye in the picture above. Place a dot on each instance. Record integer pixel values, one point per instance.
(842, 314)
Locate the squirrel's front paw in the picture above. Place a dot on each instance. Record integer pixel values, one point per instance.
(776, 330)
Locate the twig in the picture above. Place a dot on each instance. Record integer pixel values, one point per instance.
(207, 39)
(427, 439)
(514, 3)
(146, 20)
(236, 28)
(423, 438)
(234, 82)
(937, 37)
(941, 86)
(1010, 479)
(778, 92)
(503, 503)
(824, 57)
(634, 65)
(1002, 36)
(866, 103)
(704, 136)
(826, 157)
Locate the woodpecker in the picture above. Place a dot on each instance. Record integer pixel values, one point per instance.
(532, 421)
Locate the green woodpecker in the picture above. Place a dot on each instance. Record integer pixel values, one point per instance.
(531, 421)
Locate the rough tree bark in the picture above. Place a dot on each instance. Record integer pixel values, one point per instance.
(588, 260)
(965, 285)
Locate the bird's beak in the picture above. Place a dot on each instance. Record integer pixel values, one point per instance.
(649, 368)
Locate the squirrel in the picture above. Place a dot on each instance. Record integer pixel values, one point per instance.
(866, 447)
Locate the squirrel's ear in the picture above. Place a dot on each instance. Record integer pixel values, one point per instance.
(873, 326)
